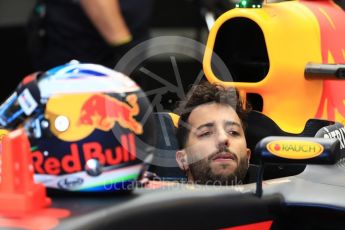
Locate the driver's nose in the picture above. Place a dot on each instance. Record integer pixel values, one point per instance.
(223, 138)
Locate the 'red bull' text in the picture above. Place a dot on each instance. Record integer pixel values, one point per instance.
(71, 162)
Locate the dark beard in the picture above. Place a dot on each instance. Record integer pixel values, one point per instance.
(202, 173)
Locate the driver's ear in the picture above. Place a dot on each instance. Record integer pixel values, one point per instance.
(249, 153)
(181, 158)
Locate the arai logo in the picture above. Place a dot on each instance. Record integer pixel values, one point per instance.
(69, 183)
(294, 149)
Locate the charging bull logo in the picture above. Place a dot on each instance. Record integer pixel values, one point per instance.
(102, 112)
(86, 112)
(332, 34)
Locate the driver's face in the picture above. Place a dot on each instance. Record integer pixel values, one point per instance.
(216, 147)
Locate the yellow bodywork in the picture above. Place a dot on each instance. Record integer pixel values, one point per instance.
(295, 33)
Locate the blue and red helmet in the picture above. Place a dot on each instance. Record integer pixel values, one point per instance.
(90, 127)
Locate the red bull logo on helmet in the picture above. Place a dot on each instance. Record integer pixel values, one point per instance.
(103, 111)
(92, 116)
(73, 160)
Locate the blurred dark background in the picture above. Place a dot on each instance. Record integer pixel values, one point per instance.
(170, 17)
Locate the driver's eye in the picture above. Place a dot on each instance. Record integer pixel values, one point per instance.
(233, 133)
(205, 134)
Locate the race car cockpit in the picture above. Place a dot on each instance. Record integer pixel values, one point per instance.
(259, 126)
(282, 53)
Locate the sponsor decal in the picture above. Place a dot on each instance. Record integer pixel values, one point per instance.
(332, 32)
(264, 225)
(70, 182)
(27, 102)
(102, 112)
(338, 134)
(294, 149)
(72, 162)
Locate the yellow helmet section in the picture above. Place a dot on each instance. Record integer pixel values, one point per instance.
(294, 35)
(64, 112)
(75, 116)
(3, 133)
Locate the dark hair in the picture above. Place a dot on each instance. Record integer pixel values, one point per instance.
(207, 93)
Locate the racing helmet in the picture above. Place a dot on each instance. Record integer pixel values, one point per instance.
(90, 128)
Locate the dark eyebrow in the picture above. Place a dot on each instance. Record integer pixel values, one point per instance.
(207, 125)
(233, 123)
(211, 124)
